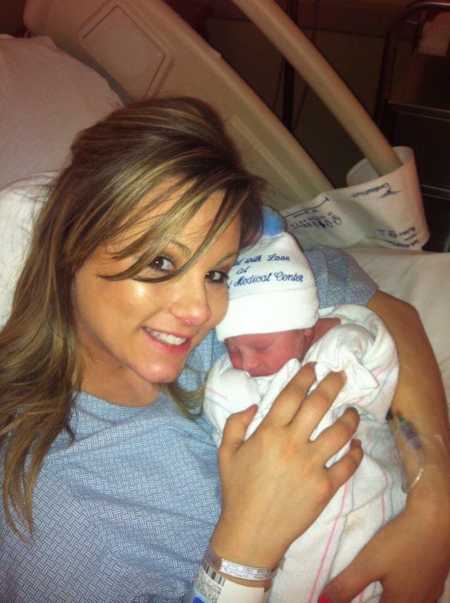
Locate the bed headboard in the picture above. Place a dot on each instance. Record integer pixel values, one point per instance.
(145, 49)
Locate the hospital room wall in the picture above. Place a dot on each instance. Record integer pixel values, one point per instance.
(354, 49)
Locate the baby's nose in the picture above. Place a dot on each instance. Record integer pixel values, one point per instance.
(250, 362)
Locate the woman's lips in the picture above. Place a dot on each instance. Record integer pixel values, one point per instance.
(169, 341)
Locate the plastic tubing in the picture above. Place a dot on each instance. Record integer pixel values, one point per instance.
(316, 71)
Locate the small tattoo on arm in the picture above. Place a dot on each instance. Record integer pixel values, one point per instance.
(406, 428)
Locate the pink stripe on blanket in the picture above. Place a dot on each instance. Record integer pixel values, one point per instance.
(312, 595)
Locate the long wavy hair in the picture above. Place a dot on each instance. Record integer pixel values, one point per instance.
(97, 197)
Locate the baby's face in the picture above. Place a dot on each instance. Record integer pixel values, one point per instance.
(264, 354)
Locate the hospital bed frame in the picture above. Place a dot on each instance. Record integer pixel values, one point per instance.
(144, 48)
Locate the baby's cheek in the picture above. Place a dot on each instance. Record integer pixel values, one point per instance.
(236, 359)
(276, 360)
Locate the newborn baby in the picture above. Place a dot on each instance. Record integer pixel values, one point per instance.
(273, 326)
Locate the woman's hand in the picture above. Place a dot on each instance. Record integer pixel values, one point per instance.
(275, 484)
(410, 556)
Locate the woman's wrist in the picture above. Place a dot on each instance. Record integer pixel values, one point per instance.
(225, 581)
(248, 575)
(432, 490)
(217, 589)
(245, 546)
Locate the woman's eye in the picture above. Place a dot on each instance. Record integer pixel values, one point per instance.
(161, 264)
(217, 276)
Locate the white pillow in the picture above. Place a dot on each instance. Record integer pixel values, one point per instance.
(46, 97)
(19, 204)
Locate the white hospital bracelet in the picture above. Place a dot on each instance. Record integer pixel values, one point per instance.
(212, 587)
(236, 570)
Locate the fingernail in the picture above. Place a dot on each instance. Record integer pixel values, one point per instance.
(324, 599)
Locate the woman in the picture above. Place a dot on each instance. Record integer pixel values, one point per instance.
(126, 275)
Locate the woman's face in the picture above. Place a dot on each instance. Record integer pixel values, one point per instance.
(135, 335)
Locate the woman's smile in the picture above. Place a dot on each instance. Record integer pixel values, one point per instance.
(169, 341)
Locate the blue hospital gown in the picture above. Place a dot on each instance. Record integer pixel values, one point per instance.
(124, 514)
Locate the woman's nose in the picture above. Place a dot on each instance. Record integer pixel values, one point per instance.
(191, 306)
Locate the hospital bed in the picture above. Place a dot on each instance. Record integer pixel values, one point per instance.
(86, 57)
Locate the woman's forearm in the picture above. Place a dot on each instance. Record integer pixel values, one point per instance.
(420, 400)
(420, 535)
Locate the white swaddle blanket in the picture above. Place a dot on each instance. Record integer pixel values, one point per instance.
(363, 348)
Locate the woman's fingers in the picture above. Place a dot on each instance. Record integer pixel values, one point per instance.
(343, 469)
(333, 438)
(289, 400)
(277, 479)
(317, 403)
(236, 427)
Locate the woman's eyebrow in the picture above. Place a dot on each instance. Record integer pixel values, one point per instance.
(232, 255)
(187, 252)
(184, 249)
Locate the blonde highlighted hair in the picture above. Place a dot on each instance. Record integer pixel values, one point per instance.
(114, 165)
